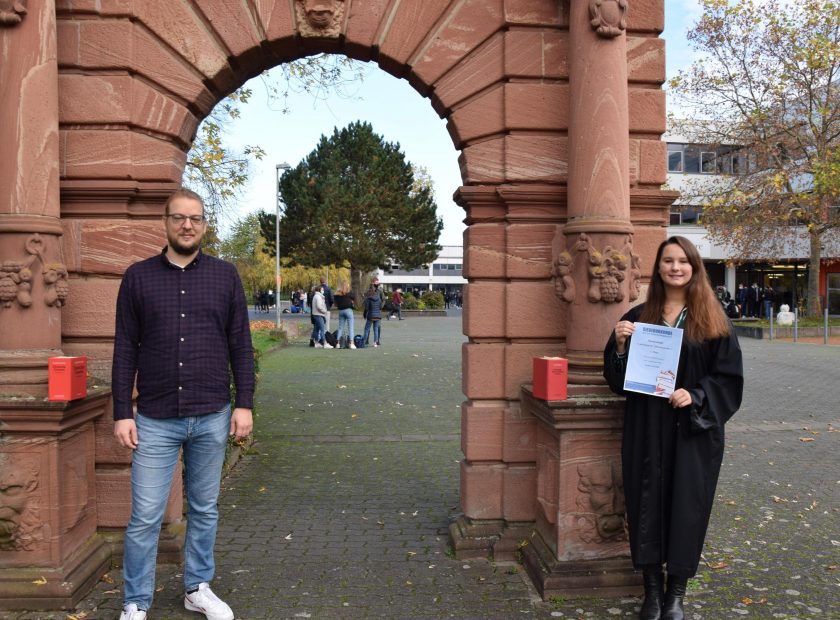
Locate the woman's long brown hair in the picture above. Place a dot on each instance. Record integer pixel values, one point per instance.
(706, 318)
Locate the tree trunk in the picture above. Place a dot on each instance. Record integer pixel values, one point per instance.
(356, 286)
(814, 307)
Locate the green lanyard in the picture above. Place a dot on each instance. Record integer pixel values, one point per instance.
(680, 319)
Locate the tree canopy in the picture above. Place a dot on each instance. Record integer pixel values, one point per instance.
(768, 82)
(355, 198)
(218, 171)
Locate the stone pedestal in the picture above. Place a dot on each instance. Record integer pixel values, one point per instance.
(50, 553)
(579, 544)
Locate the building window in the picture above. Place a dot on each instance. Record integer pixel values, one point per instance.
(675, 158)
(708, 162)
(676, 218)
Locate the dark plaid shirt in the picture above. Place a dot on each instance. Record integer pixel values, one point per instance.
(180, 331)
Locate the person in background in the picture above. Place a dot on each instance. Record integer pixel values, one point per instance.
(741, 298)
(344, 303)
(188, 311)
(396, 305)
(373, 312)
(328, 299)
(672, 448)
(319, 313)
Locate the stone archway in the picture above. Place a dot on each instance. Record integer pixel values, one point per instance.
(555, 105)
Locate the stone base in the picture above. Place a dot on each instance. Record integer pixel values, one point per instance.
(492, 538)
(605, 578)
(42, 588)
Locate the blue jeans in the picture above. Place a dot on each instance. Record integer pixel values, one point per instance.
(376, 329)
(317, 328)
(345, 316)
(204, 440)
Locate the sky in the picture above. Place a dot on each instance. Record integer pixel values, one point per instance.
(399, 114)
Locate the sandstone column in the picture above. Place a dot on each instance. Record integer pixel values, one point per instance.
(49, 551)
(32, 277)
(595, 264)
(580, 544)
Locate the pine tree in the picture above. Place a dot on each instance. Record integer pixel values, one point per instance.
(355, 198)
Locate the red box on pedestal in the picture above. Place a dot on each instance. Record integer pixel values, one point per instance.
(551, 378)
(67, 378)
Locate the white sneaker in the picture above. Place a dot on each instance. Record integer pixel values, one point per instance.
(375, 345)
(130, 612)
(327, 345)
(318, 345)
(352, 346)
(338, 345)
(203, 600)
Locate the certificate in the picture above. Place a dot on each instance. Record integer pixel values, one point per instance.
(653, 359)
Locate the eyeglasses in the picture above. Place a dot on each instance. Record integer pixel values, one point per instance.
(179, 219)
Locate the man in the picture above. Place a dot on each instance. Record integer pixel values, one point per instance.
(328, 299)
(181, 326)
(396, 305)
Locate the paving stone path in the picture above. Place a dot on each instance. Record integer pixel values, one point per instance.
(341, 508)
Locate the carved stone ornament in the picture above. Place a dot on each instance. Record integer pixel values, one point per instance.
(607, 270)
(12, 12)
(601, 501)
(608, 17)
(16, 278)
(20, 522)
(319, 18)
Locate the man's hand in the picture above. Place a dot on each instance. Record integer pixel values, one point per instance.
(126, 433)
(241, 423)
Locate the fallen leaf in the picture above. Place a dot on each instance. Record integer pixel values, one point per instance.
(717, 565)
(832, 567)
(262, 489)
(289, 537)
(730, 502)
(40, 582)
(78, 616)
(107, 578)
(806, 439)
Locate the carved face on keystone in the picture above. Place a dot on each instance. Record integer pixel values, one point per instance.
(320, 13)
(17, 482)
(602, 484)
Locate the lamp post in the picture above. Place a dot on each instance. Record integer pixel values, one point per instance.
(284, 166)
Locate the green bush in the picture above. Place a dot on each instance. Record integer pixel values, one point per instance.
(433, 300)
(409, 302)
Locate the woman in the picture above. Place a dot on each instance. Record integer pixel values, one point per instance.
(319, 316)
(344, 303)
(373, 312)
(672, 448)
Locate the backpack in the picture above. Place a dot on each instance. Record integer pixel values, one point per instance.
(330, 338)
(359, 341)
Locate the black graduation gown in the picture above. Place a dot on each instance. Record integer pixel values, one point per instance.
(670, 457)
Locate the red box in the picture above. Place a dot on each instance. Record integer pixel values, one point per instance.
(551, 378)
(67, 378)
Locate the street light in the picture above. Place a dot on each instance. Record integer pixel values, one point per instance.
(284, 166)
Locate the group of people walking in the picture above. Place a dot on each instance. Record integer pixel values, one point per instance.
(756, 301)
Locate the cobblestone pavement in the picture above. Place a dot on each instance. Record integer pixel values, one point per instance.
(341, 509)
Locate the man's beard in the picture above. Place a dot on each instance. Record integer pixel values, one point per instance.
(184, 250)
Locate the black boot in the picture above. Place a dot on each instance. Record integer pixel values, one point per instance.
(654, 584)
(673, 608)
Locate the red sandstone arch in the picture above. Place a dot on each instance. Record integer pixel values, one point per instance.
(136, 78)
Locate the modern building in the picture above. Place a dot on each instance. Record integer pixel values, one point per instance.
(444, 274)
(788, 276)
